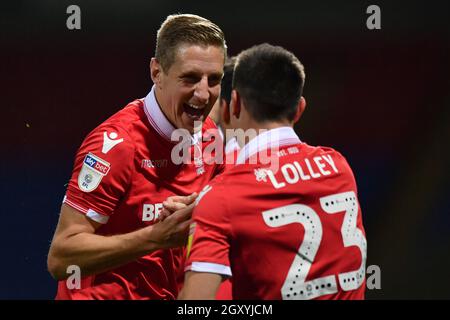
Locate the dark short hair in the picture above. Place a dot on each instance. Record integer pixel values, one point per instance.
(270, 81)
(190, 29)
(227, 80)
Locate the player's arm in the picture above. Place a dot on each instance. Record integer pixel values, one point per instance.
(75, 242)
(100, 180)
(200, 286)
(208, 247)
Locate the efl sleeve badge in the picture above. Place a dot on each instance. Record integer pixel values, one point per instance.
(92, 172)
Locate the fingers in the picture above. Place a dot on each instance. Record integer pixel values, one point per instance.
(164, 214)
(183, 214)
(187, 211)
(187, 200)
(175, 203)
(191, 198)
(174, 226)
(173, 206)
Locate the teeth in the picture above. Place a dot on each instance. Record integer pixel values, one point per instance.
(195, 107)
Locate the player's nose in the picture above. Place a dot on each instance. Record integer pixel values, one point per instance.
(201, 92)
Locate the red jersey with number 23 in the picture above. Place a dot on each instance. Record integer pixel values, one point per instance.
(291, 232)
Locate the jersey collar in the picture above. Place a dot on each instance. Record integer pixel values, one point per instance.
(270, 139)
(232, 144)
(156, 117)
(159, 121)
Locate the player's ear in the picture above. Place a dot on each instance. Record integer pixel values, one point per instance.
(235, 104)
(300, 108)
(225, 110)
(155, 72)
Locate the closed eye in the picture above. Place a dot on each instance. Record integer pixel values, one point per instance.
(190, 78)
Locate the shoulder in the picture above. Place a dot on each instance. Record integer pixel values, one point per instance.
(209, 124)
(209, 128)
(229, 185)
(330, 156)
(320, 151)
(212, 198)
(114, 139)
(128, 120)
(122, 126)
(211, 192)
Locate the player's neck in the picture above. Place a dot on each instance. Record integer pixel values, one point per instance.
(264, 126)
(268, 125)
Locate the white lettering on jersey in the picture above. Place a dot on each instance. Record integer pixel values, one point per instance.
(328, 159)
(295, 172)
(274, 181)
(110, 141)
(151, 212)
(310, 169)
(290, 175)
(321, 166)
(159, 163)
(303, 176)
(205, 190)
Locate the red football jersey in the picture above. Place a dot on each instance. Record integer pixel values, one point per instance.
(231, 153)
(224, 292)
(231, 150)
(123, 172)
(290, 231)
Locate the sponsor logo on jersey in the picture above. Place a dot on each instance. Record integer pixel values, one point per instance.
(110, 141)
(97, 164)
(205, 190)
(92, 172)
(198, 160)
(151, 212)
(159, 163)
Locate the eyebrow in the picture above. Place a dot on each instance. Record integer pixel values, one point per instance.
(198, 74)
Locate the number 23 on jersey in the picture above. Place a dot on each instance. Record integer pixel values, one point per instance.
(295, 285)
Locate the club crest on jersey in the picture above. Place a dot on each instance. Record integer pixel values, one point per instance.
(261, 174)
(92, 172)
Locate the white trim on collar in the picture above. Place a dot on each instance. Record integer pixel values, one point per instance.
(159, 121)
(156, 117)
(270, 139)
(232, 144)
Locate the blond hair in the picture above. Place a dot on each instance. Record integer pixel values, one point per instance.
(182, 29)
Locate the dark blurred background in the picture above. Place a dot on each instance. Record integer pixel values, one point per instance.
(381, 97)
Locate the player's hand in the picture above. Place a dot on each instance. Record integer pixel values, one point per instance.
(174, 203)
(173, 231)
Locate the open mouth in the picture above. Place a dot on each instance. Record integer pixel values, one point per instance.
(194, 112)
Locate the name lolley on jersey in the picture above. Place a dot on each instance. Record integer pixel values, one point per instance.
(186, 144)
(297, 171)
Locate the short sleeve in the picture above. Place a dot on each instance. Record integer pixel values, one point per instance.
(101, 173)
(209, 240)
